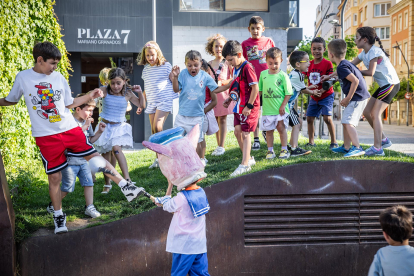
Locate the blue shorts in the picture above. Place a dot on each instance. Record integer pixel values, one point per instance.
(70, 173)
(324, 106)
(193, 265)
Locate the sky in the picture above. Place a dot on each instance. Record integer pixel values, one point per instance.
(307, 16)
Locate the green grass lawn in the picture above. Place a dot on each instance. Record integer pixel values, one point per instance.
(32, 199)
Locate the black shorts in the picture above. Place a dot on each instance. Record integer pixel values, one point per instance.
(293, 117)
(386, 93)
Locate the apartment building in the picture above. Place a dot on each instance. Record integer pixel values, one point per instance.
(325, 29)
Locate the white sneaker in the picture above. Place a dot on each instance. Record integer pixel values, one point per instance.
(155, 164)
(50, 208)
(204, 161)
(240, 170)
(130, 191)
(252, 162)
(91, 211)
(218, 151)
(60, 224)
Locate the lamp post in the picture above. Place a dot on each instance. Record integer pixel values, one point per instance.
(408, 78)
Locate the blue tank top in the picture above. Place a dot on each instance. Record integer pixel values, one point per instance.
(114, 108)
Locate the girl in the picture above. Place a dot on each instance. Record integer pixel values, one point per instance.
(223, 71)
(380, 67)
(118, 134)
(209, 124)
(158, 87)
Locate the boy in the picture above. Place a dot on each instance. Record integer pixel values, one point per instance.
(398, 257)
(254, 51)
(354, 87)
(48, 99)
(276, 90)
(299, 60)
(246, 111)
(78, 167)
(324, 103)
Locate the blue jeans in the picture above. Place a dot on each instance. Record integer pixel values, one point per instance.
(70, 173)
(194, 265)
(324, 106)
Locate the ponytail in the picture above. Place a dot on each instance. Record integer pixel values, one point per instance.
(205, 65)
(371, 35)
(380, 44)
(212, 71)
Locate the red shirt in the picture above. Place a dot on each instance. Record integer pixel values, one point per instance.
(208, 96)
(254, 51)
(314, 74)
(248, 78)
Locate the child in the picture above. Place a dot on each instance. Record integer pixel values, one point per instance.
(299, 60)
(192, 83)
(118, 133)
(324, 103)
(222, 70)
(48, 99)
(353, 85)
(276, 90)
(254, 51)
(158, 89)
(246, 111)
(210, 124)
(398, 257)
(78, 167)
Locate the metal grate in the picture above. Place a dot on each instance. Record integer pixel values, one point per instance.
(317, 219)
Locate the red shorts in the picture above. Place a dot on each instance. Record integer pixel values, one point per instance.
(249, 123)
(53, 148)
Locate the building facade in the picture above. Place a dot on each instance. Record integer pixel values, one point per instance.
(105, 33)
(328, 30)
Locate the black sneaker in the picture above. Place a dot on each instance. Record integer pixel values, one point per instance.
(50, 208)
(60, 224)
(289, 147)
(256, 146)
(299, 152)
(264, 134)
(310, 145)
(333, 145)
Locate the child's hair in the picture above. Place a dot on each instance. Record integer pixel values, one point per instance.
(118, 73)
(256, 20)
(46, 50)
(205, 66)
(193, 55)
(142, 60)
(397, 222)
(296, 56)
(89, 103)
(370, 34)
(103, 76)
(231, 48)
(210, 43)
(319, 40)
(337, 47)
(274, 52)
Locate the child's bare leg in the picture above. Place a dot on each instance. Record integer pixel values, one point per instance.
(294, 136)
(311, 129)
(347, 139)
(246, 147)
(121, 161)
(270, 138)
(54, 190)
(159, 120)
(88, 192)
(238, 134)
(331, 127)
(221, 134)
(63, 194)
(368, 115)
(376, 112)
(352, 134)
(201, 149)
(108, 156)
(283, 133)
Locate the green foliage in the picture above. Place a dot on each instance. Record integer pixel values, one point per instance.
(23, 23)
(403, 88)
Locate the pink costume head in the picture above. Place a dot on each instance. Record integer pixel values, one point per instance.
(179, 161)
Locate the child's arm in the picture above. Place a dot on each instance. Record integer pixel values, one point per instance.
(356, 61)
(88, 122)
(255, 90)
(90, 96)
(101, 128)
(354, 84)
(174, 74)
(371, 70)
(3, 102)
(310, 90)
(212, 104)
(133, 98)
(223, 88)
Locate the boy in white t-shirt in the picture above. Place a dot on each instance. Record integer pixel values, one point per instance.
(48, 99)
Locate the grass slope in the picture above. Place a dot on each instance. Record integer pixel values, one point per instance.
(33, 197)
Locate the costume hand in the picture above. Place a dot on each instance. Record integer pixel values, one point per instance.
(136, 88)
(96, 93)
(345, 102)
(246, 111)
(175, 71)
(227, 102)
(282, 110)
(102, 126)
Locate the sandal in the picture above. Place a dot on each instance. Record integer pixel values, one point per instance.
(106, 186)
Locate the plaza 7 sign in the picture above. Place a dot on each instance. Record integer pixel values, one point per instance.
(104, 36)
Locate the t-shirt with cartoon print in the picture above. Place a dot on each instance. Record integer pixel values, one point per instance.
(254, 51)
(384, 72)
(46, 98)
(193, 92)
(314, 74)
(274, 88)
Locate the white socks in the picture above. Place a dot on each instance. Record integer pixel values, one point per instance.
(58, 213)
(122, 183)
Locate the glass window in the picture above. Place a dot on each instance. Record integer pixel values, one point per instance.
(355, 3)
(406, 20)
(202, 5)
(355, 19)
(381, 9)
(360, 17)
(383, 32)
(395, 25)
(248, 5)
(399, 23)
(293, 13)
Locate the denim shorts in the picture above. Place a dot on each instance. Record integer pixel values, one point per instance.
(70, 173)
(324, 106)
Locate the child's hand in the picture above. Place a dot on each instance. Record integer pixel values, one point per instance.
(246, 111)
(89, 121)
(227, 102)
(325, 78)
(175, 71)
(345, 102)
(96, 93)
(136, 88)
(317, 93)
(102, 127)
(139, 110)
(313, 86)
(282, 110)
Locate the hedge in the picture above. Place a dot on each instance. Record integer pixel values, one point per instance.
(23, 23)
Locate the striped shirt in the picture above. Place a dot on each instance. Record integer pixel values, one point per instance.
(298, 84)
(157, 84)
